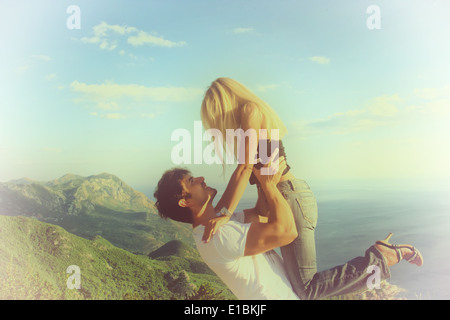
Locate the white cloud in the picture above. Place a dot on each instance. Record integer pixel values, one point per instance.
(110, 116)
(22, 69)
(383, 111)
(434, 101)
(50, 77)
(320, 59)
(110, 96)
(104, 105)
(380, 111)
(33, 60)
(434, 108)
(41, 57)
(114, 116)
(273, 86)
(102, 29)
(107, 36)
(264, 88)
(143, 38)
(384, 106)
(243, 30)
(432, 93)
(108, 45)
(110, 90)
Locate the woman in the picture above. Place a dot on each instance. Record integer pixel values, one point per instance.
(230, 105)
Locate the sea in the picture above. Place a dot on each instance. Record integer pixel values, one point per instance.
(352, 218)
(354, 215)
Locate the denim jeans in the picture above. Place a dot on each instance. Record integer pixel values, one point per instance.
(300, 255)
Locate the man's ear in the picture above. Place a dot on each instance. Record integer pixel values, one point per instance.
(183, 203)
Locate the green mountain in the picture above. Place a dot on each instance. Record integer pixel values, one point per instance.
(182, 254)
(72, 195)
(36, 260)
(90, 206)
(175, 248)
(112, 234)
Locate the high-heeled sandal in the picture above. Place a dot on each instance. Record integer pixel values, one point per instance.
(397, 248)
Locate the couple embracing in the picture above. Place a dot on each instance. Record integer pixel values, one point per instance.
(239, 246)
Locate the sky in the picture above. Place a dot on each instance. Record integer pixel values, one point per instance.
(363, 87)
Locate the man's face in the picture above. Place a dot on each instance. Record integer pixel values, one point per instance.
(199, 192)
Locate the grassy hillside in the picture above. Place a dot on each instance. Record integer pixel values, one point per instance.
(34, 257)
(99, 204)
(123, 249)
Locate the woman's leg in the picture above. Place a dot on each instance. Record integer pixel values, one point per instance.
(300, 255)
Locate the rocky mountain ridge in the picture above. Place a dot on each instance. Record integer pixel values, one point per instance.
(71, 195)
(99, 204)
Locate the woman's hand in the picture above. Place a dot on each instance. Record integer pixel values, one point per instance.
(273, 172)
(212, 227)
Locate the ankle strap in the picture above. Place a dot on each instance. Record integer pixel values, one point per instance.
(399, 252)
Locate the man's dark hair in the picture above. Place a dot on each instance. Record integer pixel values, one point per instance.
(169, 191)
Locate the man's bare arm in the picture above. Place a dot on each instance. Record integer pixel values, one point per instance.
(254, 215)
(280, 228)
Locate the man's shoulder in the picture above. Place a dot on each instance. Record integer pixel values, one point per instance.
(232, 226)
(230, 239)
(228, 242)
(237, 219)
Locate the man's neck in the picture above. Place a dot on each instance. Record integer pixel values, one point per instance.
(203, 215)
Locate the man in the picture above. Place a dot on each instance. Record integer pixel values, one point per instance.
(241, 250)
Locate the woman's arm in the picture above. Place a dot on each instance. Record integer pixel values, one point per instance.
(235, 188)
(251, 118)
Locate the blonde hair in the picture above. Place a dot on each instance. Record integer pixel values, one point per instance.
(221, 108)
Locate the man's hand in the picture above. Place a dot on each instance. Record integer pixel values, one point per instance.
(280, 229)
(215, 223)
(271, 178)
(212, 227)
